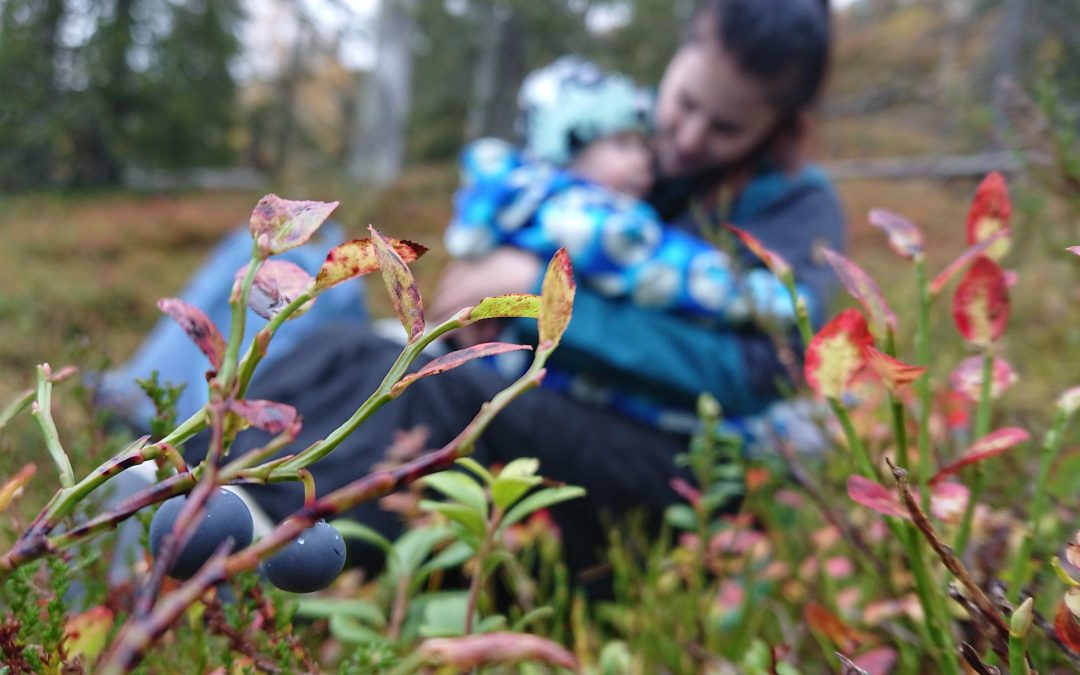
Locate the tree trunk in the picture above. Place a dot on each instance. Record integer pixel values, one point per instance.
(379, 150)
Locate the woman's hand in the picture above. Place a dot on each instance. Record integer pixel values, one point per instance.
(466, 282)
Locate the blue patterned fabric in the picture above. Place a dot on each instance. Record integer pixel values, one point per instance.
(618, 245)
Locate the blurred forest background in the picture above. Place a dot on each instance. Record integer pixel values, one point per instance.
(107, 92)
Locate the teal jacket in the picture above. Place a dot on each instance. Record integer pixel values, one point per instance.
(653, 364)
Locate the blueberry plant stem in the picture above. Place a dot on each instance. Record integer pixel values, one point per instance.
(1050, 449)
(897, 408)
(42, 412)
(922, 386)
(982, 427)
(239, 314)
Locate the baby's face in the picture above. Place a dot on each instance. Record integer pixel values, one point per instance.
(622, 162)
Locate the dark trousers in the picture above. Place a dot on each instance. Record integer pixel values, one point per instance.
(623, 465)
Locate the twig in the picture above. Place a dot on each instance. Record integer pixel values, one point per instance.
(948, 558)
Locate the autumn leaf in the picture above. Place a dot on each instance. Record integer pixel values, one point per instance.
(278, 225)
(864, 289)
(1066, 628)
(269, 416)
(198, 327)
(556, 300)
(948, 500)
(277, 283)
(966, 378)
(981, 303)
(820, 619)
(990, 445)
(896, 374)
(774, 261)
(399, 281)
(905, 237)
(875, 496)
(357, 257)
(13, 487)
(989, 214)
(453, 360)
(963, 259)
(837, 353)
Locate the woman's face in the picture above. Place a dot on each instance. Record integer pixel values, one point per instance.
(708, 114)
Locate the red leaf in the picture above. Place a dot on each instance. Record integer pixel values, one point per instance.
(453, 360)
(948, 500)
(774, 261)
(198, 326)
(964, 258)
(278, 224)
(686, 491)
(967, 377)
(269, 416)
(820, 619)
(990, 445)
(905, 237)
(981, 303)
(1066, 628)
(357, 258)
(863, 288)
(989, 214)
(875, 497)
(277, 283)
(556, 300)
(401, 285)
(1074, 249)
(894, 373)
(879, 661)
(837, 353)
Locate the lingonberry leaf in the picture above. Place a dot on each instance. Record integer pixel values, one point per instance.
(453, 360)
(357, 257)
(198, 327)
(837, 353)
(905, 237)
(400, 283)
(556, 300)
(990, 445)
(773, 260)
(864, 289)
(966, 378)
(896, 374)
(277, 283)
(875, 496)
(981, 303)
(523, 305)
(963, 259)
(989, 214)
(268, 416)
(278, 225)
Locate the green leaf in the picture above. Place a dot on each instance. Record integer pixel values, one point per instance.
(541, 500)
(444, 614)
(453, 555)
(518, 305)
(350, 529)
(461, 488)
(412, 548)
(494, 560)
(538, 614)
(477, 468)
(681, 517)
(349, 630)
(490, 624)
(522, 467)
(459, 513)
(508, 489)
(325, 608)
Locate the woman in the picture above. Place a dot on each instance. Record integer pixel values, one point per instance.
(731, 118)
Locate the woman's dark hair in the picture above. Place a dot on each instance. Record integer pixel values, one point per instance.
(782, 43)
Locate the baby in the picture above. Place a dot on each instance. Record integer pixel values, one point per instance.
(578, 184)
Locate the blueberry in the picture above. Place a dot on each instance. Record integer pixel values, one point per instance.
(225, 516)
(308, 563)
